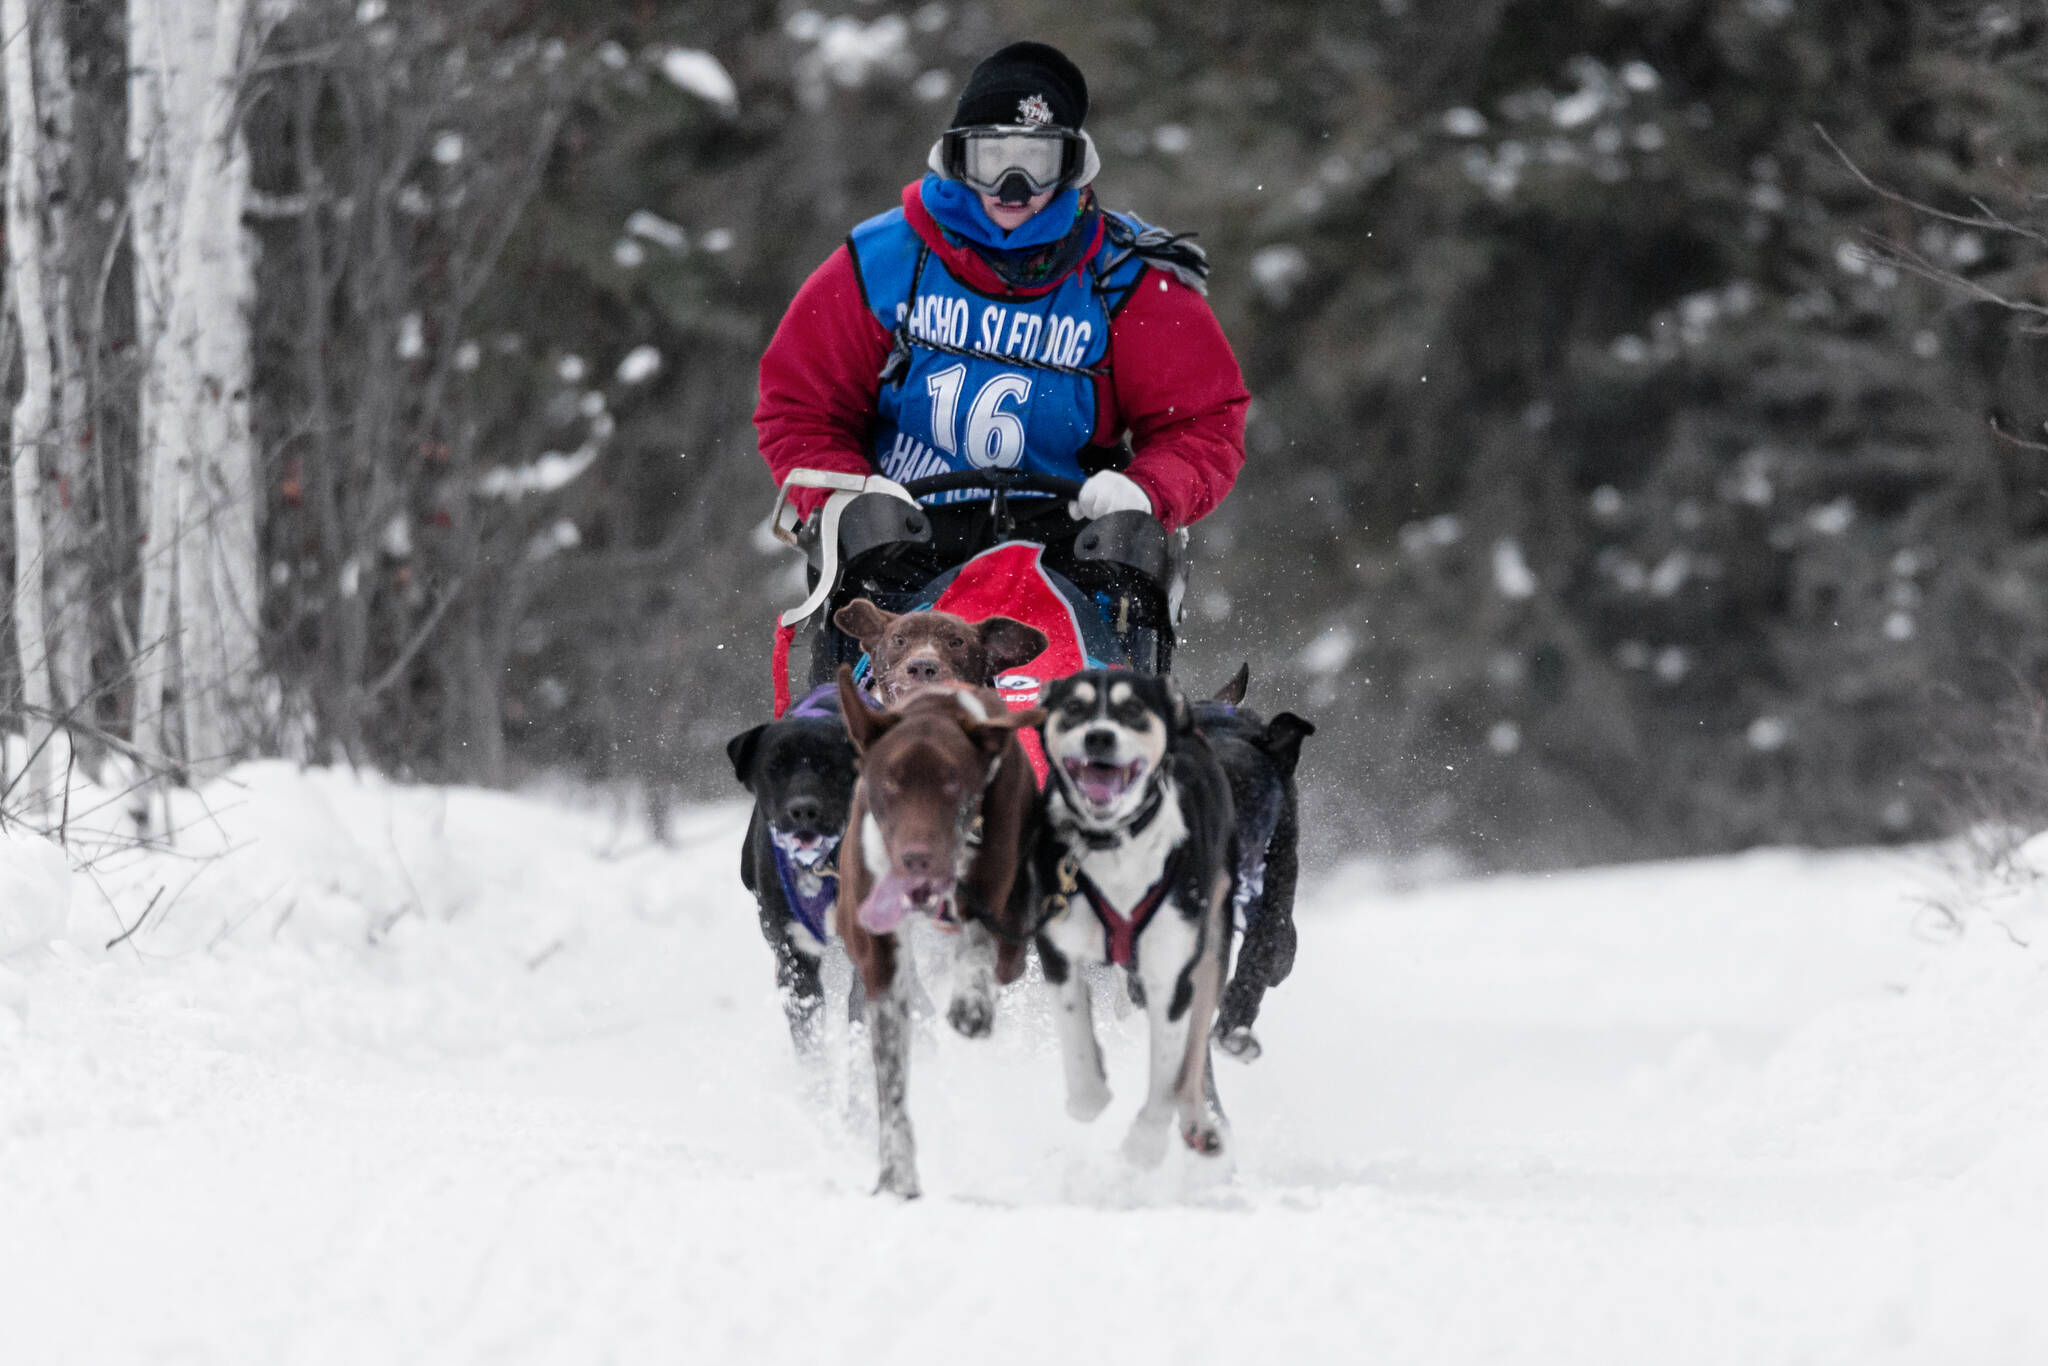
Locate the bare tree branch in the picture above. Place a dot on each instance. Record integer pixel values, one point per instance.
(1986, 218)
(2019, 441)
(427, 627)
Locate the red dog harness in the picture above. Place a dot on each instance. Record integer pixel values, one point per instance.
(1121, 929)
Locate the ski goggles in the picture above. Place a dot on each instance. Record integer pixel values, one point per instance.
(1003, 161)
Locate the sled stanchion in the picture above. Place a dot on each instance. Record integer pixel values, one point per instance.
(843, 489)
(779, 662)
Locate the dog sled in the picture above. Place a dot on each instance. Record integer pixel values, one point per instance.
(1107, 593)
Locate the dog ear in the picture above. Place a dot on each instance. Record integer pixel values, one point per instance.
(740, 749)
(1232, 693)
(1009, 643)
(863, 723)
(991, 735)
(1284, 734)
(864, 621)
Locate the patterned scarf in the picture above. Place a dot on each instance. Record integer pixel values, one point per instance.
(1042, 248)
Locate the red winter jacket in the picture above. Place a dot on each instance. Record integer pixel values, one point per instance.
(1172, 383)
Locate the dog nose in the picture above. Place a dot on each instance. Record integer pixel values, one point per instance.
(804, 813)
(922, 670)
(916, 861)
(1099, 744)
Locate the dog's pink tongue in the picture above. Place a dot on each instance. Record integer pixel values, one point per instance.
(1102, 784)
(886, 905)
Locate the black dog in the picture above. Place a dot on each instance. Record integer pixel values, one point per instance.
(801, 772)
(1260, 758)
(1134, 868)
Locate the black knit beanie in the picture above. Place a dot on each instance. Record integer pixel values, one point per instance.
(1024, 83)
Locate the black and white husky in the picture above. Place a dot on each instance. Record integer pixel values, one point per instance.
(1134, 867)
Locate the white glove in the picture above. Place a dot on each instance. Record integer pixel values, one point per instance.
(1109, 492)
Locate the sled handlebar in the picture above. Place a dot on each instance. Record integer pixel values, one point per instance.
(995, 481)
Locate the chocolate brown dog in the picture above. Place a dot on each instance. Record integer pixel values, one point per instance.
(911, 651)
(934, 773)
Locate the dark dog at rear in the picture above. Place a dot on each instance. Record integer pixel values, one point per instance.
(1134, 869)
(942, 816)
(801, 772)
(911, 651)
(1260, 757)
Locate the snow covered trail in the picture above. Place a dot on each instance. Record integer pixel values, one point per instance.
(414, 1075)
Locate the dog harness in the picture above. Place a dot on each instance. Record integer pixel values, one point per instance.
(810, 878)
(1120, 929)
(820, 704)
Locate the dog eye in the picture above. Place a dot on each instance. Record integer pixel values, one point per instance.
(957, 642)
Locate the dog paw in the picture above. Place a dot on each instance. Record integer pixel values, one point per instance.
(1239, 1042)
(1145, 1144)
(900, 1182)
(1087, 1103)
(1203, 1137)
(972, 1014)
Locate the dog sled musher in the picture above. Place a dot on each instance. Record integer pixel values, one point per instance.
(969, 365)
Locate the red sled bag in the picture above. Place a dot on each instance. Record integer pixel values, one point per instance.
(1011, 581)
(1008, 580)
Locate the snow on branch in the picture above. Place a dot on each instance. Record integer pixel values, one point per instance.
(702, 75)
(552, 471)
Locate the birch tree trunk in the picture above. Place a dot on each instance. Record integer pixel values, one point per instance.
(68, 499)
(158, 90)
(32, 411)
(200, 595)
(219, 589)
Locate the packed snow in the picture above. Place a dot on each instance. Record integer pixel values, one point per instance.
(389, 1073)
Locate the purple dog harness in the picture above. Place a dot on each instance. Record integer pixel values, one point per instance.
(819, 704)
(809, 877)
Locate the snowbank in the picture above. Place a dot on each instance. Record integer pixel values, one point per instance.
(35, 891)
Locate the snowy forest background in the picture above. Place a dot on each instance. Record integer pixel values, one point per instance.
(1646, 453)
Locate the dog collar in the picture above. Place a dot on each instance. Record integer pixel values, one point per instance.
(1155, 801)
